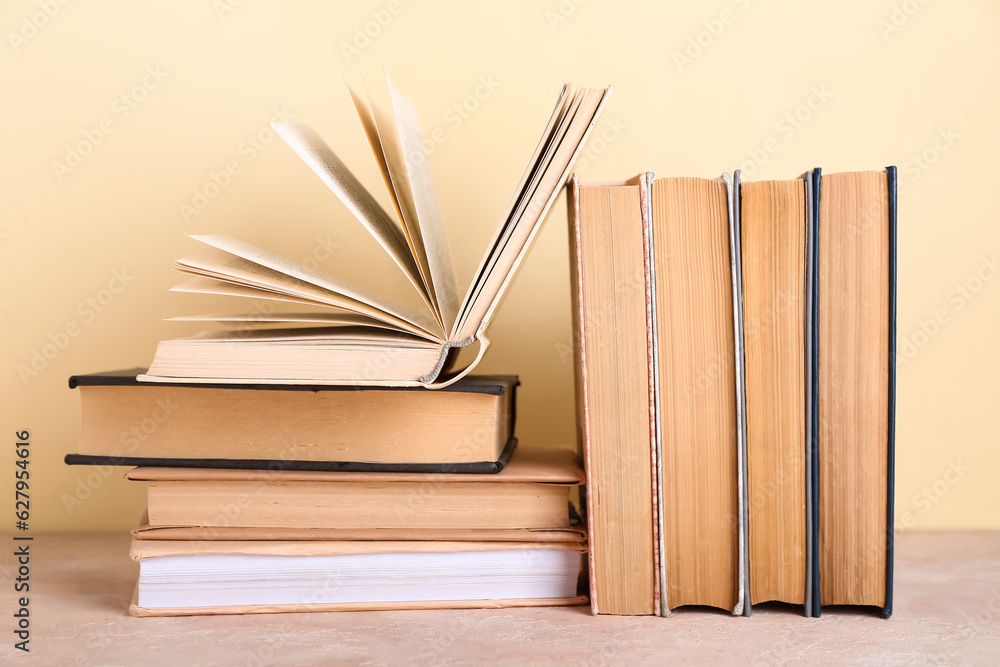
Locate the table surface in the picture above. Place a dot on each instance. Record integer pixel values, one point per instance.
(947, 611)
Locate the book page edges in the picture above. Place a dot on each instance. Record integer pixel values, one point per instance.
(498, 297)
(144, 531)
(143, 549)
(580, 352)
(743, 606)
(643, 181)
(136, 610)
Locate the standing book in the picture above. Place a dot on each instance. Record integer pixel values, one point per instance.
(609, 228)
(856, 327)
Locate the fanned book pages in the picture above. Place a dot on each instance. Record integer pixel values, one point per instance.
(362, 339)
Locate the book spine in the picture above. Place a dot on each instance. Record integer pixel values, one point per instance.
(817, 181)
(659, 589)
(580, 370)
(810, 376)
(743, 606)
(891, 431)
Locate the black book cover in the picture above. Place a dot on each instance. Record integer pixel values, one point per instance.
(891, 177)
(891, 431)
(813, 426)
(495, 385)
(477, 468)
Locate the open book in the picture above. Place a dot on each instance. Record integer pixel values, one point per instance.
(362, 339)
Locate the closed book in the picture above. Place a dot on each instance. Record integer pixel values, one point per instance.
(609, 235)
(532, 492)
(856, 373)
(178, 578)
(700, 392)
(777, 250)
(469, 427)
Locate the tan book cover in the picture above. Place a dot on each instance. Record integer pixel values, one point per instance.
(532, 492)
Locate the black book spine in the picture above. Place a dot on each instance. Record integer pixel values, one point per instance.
(891, 430)
(817, 179)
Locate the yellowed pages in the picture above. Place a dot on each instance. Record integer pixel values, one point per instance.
(566, 96)
(420, 182)
(142, 549)
(326, 319)
(334, 173)
(357, 504)
(694, 310)
(617, 401)
(774, 279)
(367, 119)
(200, 285)
(854, 255)
(241, 263)
(543, 189)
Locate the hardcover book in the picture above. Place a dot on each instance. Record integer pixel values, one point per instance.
(467, 427)
(856, 366)
(532, 492)
(180, 578)
(415, 348)
(609, 232)
(776, 244)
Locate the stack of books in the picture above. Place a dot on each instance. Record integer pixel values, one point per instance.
(347, 458)
(440, 510)
(736, 356)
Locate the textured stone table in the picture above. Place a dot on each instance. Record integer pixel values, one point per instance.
(947, 611)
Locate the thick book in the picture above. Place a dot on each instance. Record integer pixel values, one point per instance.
(361, 338)
(180, 578)
(532, 492)
(610, 275)
(700, 393)
(856, 331)
(776, 243)
(468, 427)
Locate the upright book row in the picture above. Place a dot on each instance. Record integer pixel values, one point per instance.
(736, 390)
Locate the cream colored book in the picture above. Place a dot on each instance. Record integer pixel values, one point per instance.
(360, 338)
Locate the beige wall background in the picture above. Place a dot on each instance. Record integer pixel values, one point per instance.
(154, 97)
